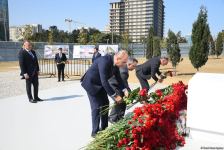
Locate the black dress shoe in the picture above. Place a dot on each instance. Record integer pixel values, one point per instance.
(32, 101)
(38, 99)
(112, 121)
(93, 135)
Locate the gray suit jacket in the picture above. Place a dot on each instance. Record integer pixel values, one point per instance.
(124, 73)
(149, 69)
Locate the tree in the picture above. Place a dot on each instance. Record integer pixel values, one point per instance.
(117, 38)
(211, 46)
(222, 35)
(125, 42)
(180, 39)
(54, 33)
(94, 35)
(74, 36)
(83, 36)
(219, 45)
(200, 40)
(170, 40)
(63, 37)
(173, 49)
(163, 43)
(105, 38)
(26, 32)
(156, 46)
(50, 37)
(93, 31)
(95, 38)
(149, 43)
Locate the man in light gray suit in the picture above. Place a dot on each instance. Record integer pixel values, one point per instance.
(118, 110)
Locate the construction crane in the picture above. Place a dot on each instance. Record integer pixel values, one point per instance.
(69, 21)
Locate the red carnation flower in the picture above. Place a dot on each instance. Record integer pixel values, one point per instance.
(143, 92)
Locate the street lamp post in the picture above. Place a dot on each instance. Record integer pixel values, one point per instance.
(107, 41)
(112, 34)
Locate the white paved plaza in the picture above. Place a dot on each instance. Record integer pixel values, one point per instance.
(61, 122)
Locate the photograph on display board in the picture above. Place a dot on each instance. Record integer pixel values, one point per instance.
(108, 49)
(83, 51)
(51, 50)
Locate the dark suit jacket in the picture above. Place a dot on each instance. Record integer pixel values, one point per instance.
(97, 76)
(149, 69)
(124, 73)
(28, 64)
(58, 59)
(95, 56)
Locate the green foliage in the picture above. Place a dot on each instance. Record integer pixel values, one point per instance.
(133, 95)
(74, 36)
(219, 45)
(55, 33)
(105, 38)
(180, 39)
(117, 38)
(92, 31)
(200, 40)
(95, 38)
(50, 37)
(163, 43)
(125, 41)
(211, 46)
(26, 32)
(149, 43)
(83, 37)
(90, 35)
(108, 139)
(156, 46)
(173, 49)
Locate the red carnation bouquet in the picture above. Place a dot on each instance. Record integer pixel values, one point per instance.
(151, 126)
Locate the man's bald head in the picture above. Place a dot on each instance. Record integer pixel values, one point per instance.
(121, 58)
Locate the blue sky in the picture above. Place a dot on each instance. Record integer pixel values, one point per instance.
(179, 14)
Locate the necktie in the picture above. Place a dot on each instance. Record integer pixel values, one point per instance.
(31, 54)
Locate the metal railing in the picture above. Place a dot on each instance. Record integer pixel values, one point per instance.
(74, 67)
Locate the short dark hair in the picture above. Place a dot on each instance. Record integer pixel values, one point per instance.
(165, 58)
(96, 48)
(60, 49)
(131, 60)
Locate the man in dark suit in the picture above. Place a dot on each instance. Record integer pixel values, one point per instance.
(96, 54)
(150, 69)
(60, 60)
(118, 110)
(29, 70)
(95, 82)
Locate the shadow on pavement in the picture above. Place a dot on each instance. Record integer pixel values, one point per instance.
(62, 97)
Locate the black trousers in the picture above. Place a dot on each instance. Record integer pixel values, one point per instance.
(32, 80)
(61, 68)
(99, 103)
(144, 82)
(118, 111)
